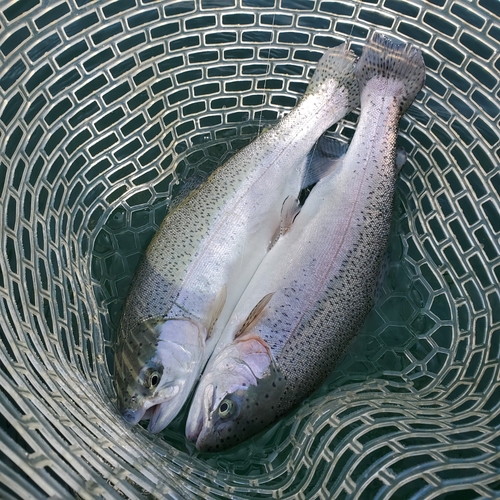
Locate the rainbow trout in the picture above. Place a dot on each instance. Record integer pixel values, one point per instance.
(313, 290)
(208, 247)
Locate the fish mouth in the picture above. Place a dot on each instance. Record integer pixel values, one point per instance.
(199, 415)
(160, 415)
(133, 417)
(166, 408)
(155, 414)
(194, 427)
(199, 436)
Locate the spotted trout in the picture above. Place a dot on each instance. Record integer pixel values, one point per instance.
(208, 247)
(315, 287)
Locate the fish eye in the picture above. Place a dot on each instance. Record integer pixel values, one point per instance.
(226, 408)
(154, 379)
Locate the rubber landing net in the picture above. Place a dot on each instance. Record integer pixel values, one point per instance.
(106, 109)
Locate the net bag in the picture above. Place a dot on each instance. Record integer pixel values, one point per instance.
(107, 108)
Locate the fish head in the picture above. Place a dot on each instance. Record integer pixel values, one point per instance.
(155, 369)
(237, 397)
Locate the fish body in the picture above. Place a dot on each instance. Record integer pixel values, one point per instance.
(313, 290)
(208, 247)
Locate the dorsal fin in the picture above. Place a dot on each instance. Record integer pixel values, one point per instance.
(322, 159)
(289, 210)
(216, 309)
(256, 312)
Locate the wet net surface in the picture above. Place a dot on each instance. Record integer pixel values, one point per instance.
(106, 108)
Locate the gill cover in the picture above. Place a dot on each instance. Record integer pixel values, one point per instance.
(237, 397)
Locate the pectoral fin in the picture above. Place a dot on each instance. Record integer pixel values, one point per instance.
(216, 309)
(253, 316)
(289, 210)
(323, 159)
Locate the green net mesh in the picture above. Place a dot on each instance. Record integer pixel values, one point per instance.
(106, 109)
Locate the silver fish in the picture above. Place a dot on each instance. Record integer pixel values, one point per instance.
(313, 290)
(208, 247)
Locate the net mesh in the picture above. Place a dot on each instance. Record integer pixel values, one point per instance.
(106, 108)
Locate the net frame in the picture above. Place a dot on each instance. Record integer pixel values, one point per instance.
(105, 107)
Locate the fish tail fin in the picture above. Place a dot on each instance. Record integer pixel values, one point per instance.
(337, 64)
(385, 58)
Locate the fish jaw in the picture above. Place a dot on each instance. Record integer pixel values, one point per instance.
(133, 417)
(162, 414)
(156, 383)
(237, 397)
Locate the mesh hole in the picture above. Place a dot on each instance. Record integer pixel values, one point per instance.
(107, 32)
(12, 75)
(44, 46)
(118, 7)
(19, 8)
